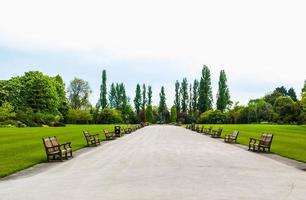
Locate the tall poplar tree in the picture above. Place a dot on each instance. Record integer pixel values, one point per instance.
(149, 95)
(112, 96)
(190, 99)
(195, 96)
(162, 108)
(177, 100)
(149, 111)
(223, 97)
(205, 91)
(102, 103)
(137, 99)
(184, 94)
(144, 97)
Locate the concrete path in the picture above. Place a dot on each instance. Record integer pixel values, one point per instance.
(162, 163)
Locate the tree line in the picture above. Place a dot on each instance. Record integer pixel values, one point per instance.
(36, 99)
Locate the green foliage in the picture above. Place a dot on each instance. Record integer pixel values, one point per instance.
(205, 91)
(39, 92)
(212, 117)
(79, 91)
(184, 95)
(109, 116)
(144, 97)
(291, 93)
(77, 116)
(195, 96)
(177, 100)
(162, 101)
(285, 110)
(223, 97)
(149, 95)
(282, 90)
(113, 97)
(173, 114)
(102, 102)
(304, 88)
(149, 114)
(137, 99)
(190, 100)
(271, 98)
(63, 101)
(265, 112)
(6, 112)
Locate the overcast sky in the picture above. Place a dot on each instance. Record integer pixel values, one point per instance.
(260, 44)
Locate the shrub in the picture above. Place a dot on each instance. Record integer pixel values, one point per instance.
(76, 116)
(109, 116)
(212, 117)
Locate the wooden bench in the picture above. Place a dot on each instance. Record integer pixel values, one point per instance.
(231, 138)
(92, 140)
(109, 135)
(55, 150)
(201, 129)
(208, 131)
(216, 134)
(263, 143)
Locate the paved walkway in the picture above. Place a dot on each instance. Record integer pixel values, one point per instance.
(161, 163)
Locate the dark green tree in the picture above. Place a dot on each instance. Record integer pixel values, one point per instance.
(195, 96)
(144, 97)
(149, 95)
(102, 102)
(177, 101)
(205, 91)
(137, 99)
(291, 93)
(78, 92)
(223, 97)
(285, 110)
(190, 100)
(304, 88)
(162, 108)
(113, 96)
(282, 90)
(184, 95)
(61, 93)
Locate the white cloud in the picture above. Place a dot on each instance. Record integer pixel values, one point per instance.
(259, 40)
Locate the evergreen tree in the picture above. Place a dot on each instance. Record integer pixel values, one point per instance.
(205, 91)
(184, 94)
(102, 103)
(113, 96)
(292, 94)
(149, 95)
(223, 97)
(282, 90)
(195, 95)
(144, 97)
(137, 99)
(162, 102)
(177, 101)
(190, 99)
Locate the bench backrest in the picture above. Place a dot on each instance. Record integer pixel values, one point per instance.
(86, 134)
(219, 131)
(235, 134)
(51, 144)
(266, 139)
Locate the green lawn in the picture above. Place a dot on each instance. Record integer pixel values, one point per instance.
(288, 141)
(21, 148)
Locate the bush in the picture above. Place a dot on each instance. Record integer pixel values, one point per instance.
(109, 116)
(76, 116)
(212, 117)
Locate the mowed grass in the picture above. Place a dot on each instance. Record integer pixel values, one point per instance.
(21, 148)
(289, 140)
